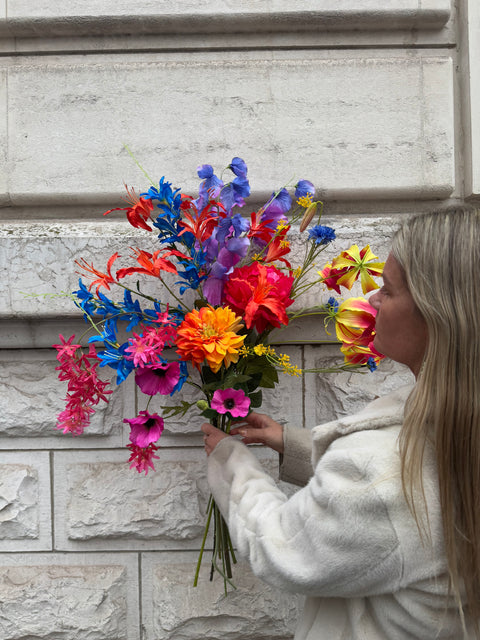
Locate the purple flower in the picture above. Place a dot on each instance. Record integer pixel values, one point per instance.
(145, 429)
(234, 193)
(303, 187)
(276, 208)
(239, 167)
(159, 378)
(321, 234)
(231, 401)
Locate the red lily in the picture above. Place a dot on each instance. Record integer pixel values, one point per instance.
(278, 248)
(202, 223)
(259, 228)
(152, 264)
(103, 279)
(138, 212)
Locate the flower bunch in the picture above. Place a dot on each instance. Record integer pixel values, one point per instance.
(223, 282)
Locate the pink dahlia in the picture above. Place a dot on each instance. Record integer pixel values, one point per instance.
(231, 401)
(146, 429)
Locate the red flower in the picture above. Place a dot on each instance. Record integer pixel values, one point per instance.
(152, 263)
(278, 247)
(259, 228)
(138, 212)
(261, 294)
(203, 223)
(103, 279)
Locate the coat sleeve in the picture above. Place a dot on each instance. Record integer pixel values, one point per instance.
(296, 460)
(332, 538)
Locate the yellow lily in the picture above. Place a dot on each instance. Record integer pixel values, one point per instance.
(355, 262)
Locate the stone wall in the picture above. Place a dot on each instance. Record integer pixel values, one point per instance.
(375, 105)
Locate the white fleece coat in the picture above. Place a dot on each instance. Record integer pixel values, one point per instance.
(347, 540)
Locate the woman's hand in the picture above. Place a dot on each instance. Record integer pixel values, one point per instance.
(260, 428)
(212, 436)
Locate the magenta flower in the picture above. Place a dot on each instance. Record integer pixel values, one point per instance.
(141, 458)
(146, 428)
(159, 378)
(232, 401)
(85, 389)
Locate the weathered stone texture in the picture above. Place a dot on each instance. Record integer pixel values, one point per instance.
(19, 497)
(109, 500)
(332, 395)
(182, 612)
(379, 127)
(68, 602)
(26, 377)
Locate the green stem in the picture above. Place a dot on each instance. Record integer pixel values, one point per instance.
(205, 534)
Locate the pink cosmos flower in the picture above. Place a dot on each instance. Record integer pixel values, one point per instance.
(232, 401)
(141, 458)
(146, 429)
(158, 378)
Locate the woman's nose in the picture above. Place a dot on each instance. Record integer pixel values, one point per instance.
(374, 300)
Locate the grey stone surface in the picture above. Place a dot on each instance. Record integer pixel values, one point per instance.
(73, 597)
(101, 503)
(25, 505)
(174, 609)
(329, 396)
(3, 136)
(205, 16)
(367, 127)
(31, 397)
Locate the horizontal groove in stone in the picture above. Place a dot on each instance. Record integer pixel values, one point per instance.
(372, 17)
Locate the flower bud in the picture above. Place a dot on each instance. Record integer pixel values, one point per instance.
(308, 216)
(202, 405)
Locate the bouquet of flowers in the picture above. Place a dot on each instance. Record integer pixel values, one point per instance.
(228, 283)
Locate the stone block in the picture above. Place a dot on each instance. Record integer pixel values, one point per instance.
(28, 375)
(69, 596)
(75, 17)
(367, 127)
(25, 516)
(472, 98)
(4, 171)
(328, 396)
(173, 608)
(102, 504)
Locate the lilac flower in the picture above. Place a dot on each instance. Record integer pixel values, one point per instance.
(159, 378)
(145, 429)
(231, 401)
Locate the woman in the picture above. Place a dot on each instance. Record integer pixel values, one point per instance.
(384, 540)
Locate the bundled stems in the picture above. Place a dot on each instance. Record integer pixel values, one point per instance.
(222, 544)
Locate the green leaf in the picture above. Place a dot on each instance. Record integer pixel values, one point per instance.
(255, 399)
(209, 414)
(181, 409)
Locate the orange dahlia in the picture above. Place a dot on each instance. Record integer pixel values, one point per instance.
(210, 335)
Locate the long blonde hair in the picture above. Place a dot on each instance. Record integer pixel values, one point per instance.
(440, 256)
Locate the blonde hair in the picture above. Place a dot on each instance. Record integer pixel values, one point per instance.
(440, 257)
